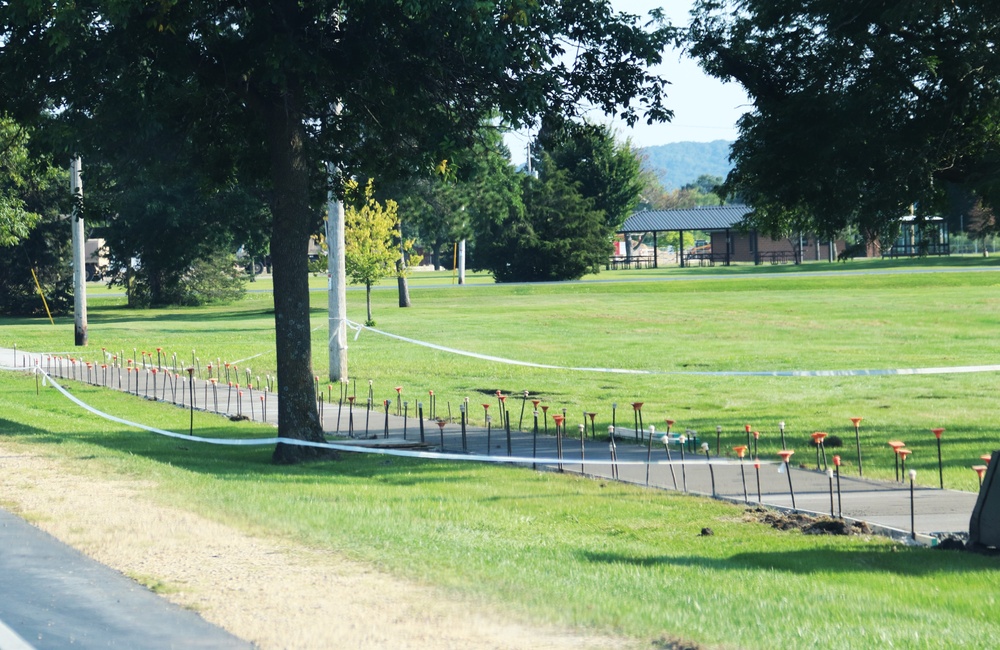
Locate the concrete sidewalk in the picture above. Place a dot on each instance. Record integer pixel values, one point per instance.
(884, 505)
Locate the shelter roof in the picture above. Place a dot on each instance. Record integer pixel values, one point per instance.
(709, 217)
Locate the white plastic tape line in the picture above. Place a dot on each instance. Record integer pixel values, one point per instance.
(239, 361)
(520, 460)
(704, 373)
(10, 640)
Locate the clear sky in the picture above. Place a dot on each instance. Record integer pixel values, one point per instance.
(704, 108)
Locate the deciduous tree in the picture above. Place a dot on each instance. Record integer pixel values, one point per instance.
(271, 89)
(374, 243)
(33, 238)
(860, 109)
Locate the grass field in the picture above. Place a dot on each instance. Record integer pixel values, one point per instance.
(898, 315)
(551, 547)
(578, 551)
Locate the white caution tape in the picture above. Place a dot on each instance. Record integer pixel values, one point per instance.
(704, 373)
(239, 361)
(245, 442)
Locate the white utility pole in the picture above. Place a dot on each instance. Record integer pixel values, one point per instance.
(337, 289)
(461, 261)
(79, 256)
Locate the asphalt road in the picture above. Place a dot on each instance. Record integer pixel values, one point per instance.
(52, 596)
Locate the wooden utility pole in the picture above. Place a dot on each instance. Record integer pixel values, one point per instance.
(337, 290)
(79, 256)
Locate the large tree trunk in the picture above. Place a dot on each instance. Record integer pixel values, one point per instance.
(401, 285)
(436, 253)
(298, 416)
(404, 291)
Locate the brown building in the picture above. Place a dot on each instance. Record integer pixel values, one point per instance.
(727, 242)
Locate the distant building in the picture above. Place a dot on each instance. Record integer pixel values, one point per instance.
(727, 243)
(95, 259)
(926, 236)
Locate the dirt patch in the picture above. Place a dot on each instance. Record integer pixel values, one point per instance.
(275, 594)
(510, 394)
(807, 524)
(665, 643)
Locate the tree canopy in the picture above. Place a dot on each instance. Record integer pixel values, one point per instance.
(269, 91)
(477, 185)
(607, 172)
(700, 192)
(33, 195)
(555, 233)
(559, 226)
(20, 181)
(860, 110)
(373, 240)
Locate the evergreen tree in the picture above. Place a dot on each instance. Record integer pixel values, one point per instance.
(607, 172)
(555, 234)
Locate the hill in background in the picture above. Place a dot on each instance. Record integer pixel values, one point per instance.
(680, 163)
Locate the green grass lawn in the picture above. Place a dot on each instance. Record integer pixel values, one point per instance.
(902, 314)
(550, 547)
(578, 551)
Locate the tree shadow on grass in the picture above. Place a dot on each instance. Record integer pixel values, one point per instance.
(910, 562)
(181, 315)
(9, 427)
(228, 462)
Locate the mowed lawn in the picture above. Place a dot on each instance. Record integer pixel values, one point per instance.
(941, 313)
(574, 550)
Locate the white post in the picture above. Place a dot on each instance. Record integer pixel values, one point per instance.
(461, 262)
(79, 258)
(337, 288)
